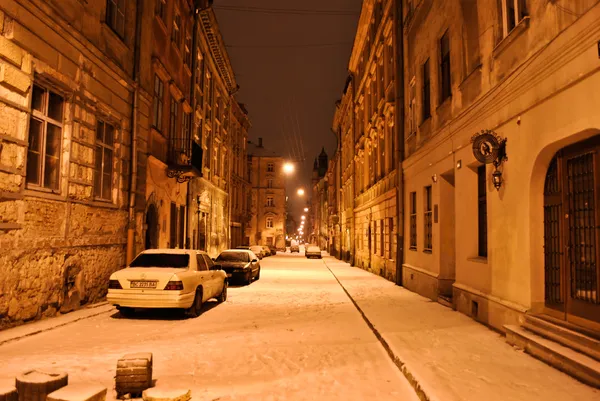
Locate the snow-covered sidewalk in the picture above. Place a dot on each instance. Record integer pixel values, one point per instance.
(449, 355)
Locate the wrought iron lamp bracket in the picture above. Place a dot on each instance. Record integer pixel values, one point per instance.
(178, 175)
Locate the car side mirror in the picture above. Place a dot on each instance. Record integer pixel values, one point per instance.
(214, 259)
(254, 260)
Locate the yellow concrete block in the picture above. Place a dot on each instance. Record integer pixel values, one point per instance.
(14, 79)
(10, 51)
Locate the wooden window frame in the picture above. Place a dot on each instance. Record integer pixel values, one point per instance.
(270, 201)
(176, 29)
(445, 67)
(482, 233)
(160, 10)
(426, 101)
(158, 103)
(512, 13)
(115, 16)
(44, 119)
(269, 222)
(173, 116)
(413, 222)
(270, 167)
(428, 219)
(102, 147)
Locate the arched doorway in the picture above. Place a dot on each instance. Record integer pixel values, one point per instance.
(151, 240)
(571, 232)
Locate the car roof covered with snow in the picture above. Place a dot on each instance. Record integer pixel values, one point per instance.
(173, 251)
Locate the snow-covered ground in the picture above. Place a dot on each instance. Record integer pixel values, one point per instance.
(292, 335)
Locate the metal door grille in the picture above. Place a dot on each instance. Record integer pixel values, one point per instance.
(552, 232)
(582, 228)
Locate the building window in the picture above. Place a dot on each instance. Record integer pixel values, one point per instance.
(426, 91)
(45, 139)
(173, 226)
(270, 168)
(392, 238)
(513, 11)
(187, 52)
(270, 202)
(103, 168)
(176, 31)
(157, 103)
(412, 107)
(181, 227)
(269, 222)
(173, 117)
(482, 212)
(413, 221)
(270, 241)
(446, 83)
(427, 215)
(115, 16)
(269, 183)
(382, 237)
(161, 9)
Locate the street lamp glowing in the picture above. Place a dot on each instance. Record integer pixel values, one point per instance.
(301, 192)
(306, 209)
(288, 168)
(303, 217)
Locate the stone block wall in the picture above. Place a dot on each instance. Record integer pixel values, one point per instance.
(59, 246)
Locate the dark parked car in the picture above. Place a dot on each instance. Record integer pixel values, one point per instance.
(295, 248)
(239, 264)
(273, 250)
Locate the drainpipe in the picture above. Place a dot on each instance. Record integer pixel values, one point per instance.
(134, 132)
(399, 124)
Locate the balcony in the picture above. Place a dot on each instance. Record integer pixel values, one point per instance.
(184, 159)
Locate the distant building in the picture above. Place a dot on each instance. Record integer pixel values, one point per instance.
(267, 198)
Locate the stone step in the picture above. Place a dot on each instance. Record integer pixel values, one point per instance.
(567, 337)
(574, 363)
(79, 392)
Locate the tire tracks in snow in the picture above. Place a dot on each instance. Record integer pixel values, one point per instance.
(395, 358)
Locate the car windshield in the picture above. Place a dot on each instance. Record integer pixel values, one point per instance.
(233, 257)
(172, 260)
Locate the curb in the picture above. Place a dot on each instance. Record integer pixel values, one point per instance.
(91, 309)
(402, 367)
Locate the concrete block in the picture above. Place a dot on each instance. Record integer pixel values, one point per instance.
(10, 51)
(79, 392)
(35, 385)
(167, 393)
(8, 393)
(14, 79)
(134, 373)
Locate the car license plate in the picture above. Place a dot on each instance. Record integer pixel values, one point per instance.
(143, 284)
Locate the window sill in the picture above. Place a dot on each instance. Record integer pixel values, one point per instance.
(512, 36)
(413, 249)
(479, 259)
(40, 192)
(428, 251)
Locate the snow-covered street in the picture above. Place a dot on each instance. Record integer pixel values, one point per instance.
(292, 335)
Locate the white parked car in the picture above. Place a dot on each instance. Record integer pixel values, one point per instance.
(258, 251)
(313, 251)
(167, 278)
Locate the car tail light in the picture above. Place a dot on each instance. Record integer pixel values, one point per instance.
(114, 285)
(174, 285)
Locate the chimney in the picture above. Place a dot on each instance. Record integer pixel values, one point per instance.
(260, 142)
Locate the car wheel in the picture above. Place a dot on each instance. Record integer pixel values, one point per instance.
(126, 312)
(258, 274)
(249, 278)
(223, 297)
(196, 308)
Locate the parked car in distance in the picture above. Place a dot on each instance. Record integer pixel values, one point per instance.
(247, 247)
(267, 250)
(294, 248)
(167, 278)
(239, 264)
(273, 250)
(313, 251)
(258, 251)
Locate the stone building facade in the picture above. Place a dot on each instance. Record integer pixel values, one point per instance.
(67, 84)
(500, 243)
(240, 186)
(267, 205)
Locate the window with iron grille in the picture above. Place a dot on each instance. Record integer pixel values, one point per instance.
(269, 222)
(45, 139)
(428, 221)
(187, 51)
(157, 103)
(103, 166)
(445, 74)
(176, 30)
(161, 10)
(115, 16)
(174, 112)
(270, 167)
(426, 107)
(482, 211)
(413, 221)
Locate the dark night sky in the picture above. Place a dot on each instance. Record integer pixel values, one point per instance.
(283, 76)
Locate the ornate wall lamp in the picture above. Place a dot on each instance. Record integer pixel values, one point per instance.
(488, 148)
